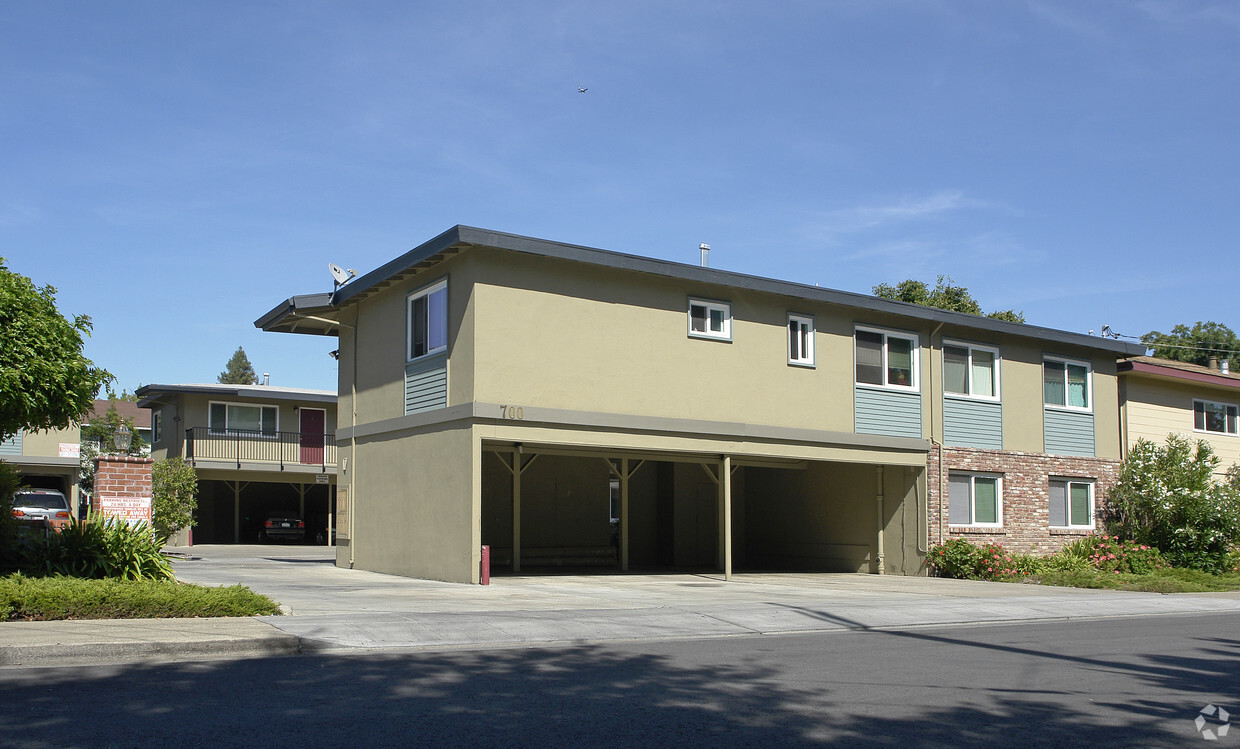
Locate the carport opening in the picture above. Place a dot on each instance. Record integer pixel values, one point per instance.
(808, 517)
(233, 511)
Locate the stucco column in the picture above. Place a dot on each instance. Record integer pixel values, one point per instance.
(725, 516)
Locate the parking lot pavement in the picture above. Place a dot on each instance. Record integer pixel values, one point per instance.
(332, 608)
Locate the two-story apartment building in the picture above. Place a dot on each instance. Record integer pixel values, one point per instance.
(257, 450)
(1161, 396)
(47, 459)
(563, 405)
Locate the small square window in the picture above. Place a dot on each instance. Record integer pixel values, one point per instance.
(1218, 418)
(886, 359)
(1071, 503)
(801, 340)
(974, 499)
(710, 319)
(1066, 384)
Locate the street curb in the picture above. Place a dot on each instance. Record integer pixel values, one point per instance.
(92, 653)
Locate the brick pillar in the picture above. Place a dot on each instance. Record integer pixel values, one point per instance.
(122, 487)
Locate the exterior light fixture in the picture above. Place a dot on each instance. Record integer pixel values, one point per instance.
(121, 438)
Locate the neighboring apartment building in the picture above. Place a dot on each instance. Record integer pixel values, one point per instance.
(566, 405)
(257, 450)
(127, 410)
(47, 459)
(1162, 396)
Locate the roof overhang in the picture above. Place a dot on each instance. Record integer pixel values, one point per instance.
(150, 395)
(318, 314)
(1156, 371)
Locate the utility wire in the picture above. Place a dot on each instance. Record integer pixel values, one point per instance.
(1108, 333)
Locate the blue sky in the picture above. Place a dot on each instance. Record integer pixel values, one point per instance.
(175, 170)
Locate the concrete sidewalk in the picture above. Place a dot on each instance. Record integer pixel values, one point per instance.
(338, 610)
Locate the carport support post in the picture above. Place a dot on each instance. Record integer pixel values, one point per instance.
(516, 508)
(725, 514)
(879, 566)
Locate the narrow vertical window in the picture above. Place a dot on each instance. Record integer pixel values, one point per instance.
(428, 321)
(801, 340)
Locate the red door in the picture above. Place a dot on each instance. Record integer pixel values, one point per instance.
(313, 425)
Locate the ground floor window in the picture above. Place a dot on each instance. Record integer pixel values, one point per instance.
(1072, 503)
(974, 499)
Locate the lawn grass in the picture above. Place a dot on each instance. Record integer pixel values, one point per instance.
(45, 598)
(1170, 580)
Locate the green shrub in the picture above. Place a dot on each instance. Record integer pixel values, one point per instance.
(1167, 498)
(9, 482)
(103, 547)
(1110, 554)
(59, 597)
(960, 559)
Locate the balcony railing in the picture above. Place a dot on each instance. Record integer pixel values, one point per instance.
(283, 448)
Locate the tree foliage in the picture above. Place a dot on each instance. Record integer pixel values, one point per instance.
(1196, 344)
(944, 295)
(10, 481)
(98, 438)
(174, 496)
(45, 380)
(238, 371)
(1168, 497)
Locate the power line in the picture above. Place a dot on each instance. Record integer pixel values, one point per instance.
(1108, 333)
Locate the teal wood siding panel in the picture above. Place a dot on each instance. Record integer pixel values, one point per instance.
(887, 412)
(972, 424)
(426, 385)
(12, 446)
(1069, 433)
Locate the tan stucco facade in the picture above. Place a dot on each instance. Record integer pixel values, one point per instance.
(577, 367)
(49, 459)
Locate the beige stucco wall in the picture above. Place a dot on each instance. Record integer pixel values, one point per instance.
(1156, 408)
(415, 497)
(46, 443)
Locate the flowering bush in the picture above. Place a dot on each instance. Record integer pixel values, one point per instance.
(1167, 498)
(1110, 554)
(957, 558)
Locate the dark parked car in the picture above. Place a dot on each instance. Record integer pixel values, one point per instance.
(47, 505)
(282, 525)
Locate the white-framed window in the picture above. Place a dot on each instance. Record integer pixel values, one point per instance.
(708, 319)
(157, 426)
(801, 340)
(1214, 417)
(613, 486)
(1067, 384)
(970, 370)
(1071, 503)
(975, 499)
(886, 358)
(243, 418)
(426, 319)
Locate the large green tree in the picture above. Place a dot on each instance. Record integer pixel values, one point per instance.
(46, 381)
(238, 371)
(1196, 344)
(944, 295)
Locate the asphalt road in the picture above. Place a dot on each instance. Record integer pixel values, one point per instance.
(1112, 682)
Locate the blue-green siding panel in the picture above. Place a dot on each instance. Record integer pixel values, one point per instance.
(887, 412)
(426, 385)
(1069, 433)
(968, 423)
(12, 446)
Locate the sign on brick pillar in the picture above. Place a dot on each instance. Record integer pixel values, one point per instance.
(123, 487)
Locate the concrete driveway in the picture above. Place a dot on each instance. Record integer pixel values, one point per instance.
(340, 609)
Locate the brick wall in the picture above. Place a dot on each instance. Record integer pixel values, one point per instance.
(121, 476)
(1025, 495)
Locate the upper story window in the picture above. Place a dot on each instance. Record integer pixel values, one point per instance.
(710, 319)
(886, 359)
(1219, 418)
(157, 426)
(801, 340)
(970, 370)
(1066, 384)
(427, 321)
(242, 418)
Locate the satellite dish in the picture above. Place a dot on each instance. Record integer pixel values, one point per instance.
(340, 274)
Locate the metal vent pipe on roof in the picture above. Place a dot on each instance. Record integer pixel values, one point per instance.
(266, 378)
(705, 248)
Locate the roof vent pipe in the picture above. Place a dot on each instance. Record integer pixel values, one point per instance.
(705, 248)
(1212, 362)
(1224, 366)
(266, 378)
